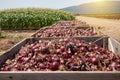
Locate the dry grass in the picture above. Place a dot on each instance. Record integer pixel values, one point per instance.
(11, 38)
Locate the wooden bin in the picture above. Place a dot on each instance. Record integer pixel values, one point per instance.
(59, 75)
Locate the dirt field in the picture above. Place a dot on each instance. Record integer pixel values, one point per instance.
(10, 38)
(107, 26)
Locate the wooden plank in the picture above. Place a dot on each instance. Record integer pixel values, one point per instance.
(110, 45)
(68, 75)
(114, 45)
(11, 52)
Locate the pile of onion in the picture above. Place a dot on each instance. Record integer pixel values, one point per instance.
(73, 23)
(62, 55)
(64, 32)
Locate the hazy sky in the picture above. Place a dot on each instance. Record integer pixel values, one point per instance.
(57, 4)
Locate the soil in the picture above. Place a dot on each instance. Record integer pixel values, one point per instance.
(109, 27)
(10, 38)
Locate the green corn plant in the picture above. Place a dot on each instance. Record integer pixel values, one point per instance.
(0, 29)
(31, 18)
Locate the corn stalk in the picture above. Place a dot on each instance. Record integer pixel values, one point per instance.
(31, 18)
(0, 29)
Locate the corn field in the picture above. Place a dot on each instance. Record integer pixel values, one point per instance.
(31, 18)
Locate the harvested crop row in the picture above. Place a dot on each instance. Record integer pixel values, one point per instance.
(65, 32)
(73, 23)
(66, 29)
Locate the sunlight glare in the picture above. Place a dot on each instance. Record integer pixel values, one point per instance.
(100, 0)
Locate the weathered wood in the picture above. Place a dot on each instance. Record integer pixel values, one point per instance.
(114, 45)
(68, 75)
(12, 51)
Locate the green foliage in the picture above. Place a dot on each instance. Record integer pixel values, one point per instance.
(0, 34)
(31, 18)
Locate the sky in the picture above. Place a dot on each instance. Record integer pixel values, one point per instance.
(56, 4)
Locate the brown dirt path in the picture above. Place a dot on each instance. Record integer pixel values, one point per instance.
(107, 26)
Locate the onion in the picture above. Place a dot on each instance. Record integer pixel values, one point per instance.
(55, 65)
(45, 50)
(104, 50)
(42, 66)
(96, 47)
(58, 50)
(94, 61)
(118, 61)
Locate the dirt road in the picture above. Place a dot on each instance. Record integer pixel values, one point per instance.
(107, 26)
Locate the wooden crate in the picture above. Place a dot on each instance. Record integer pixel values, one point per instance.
(57, 75)
(66, 75)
